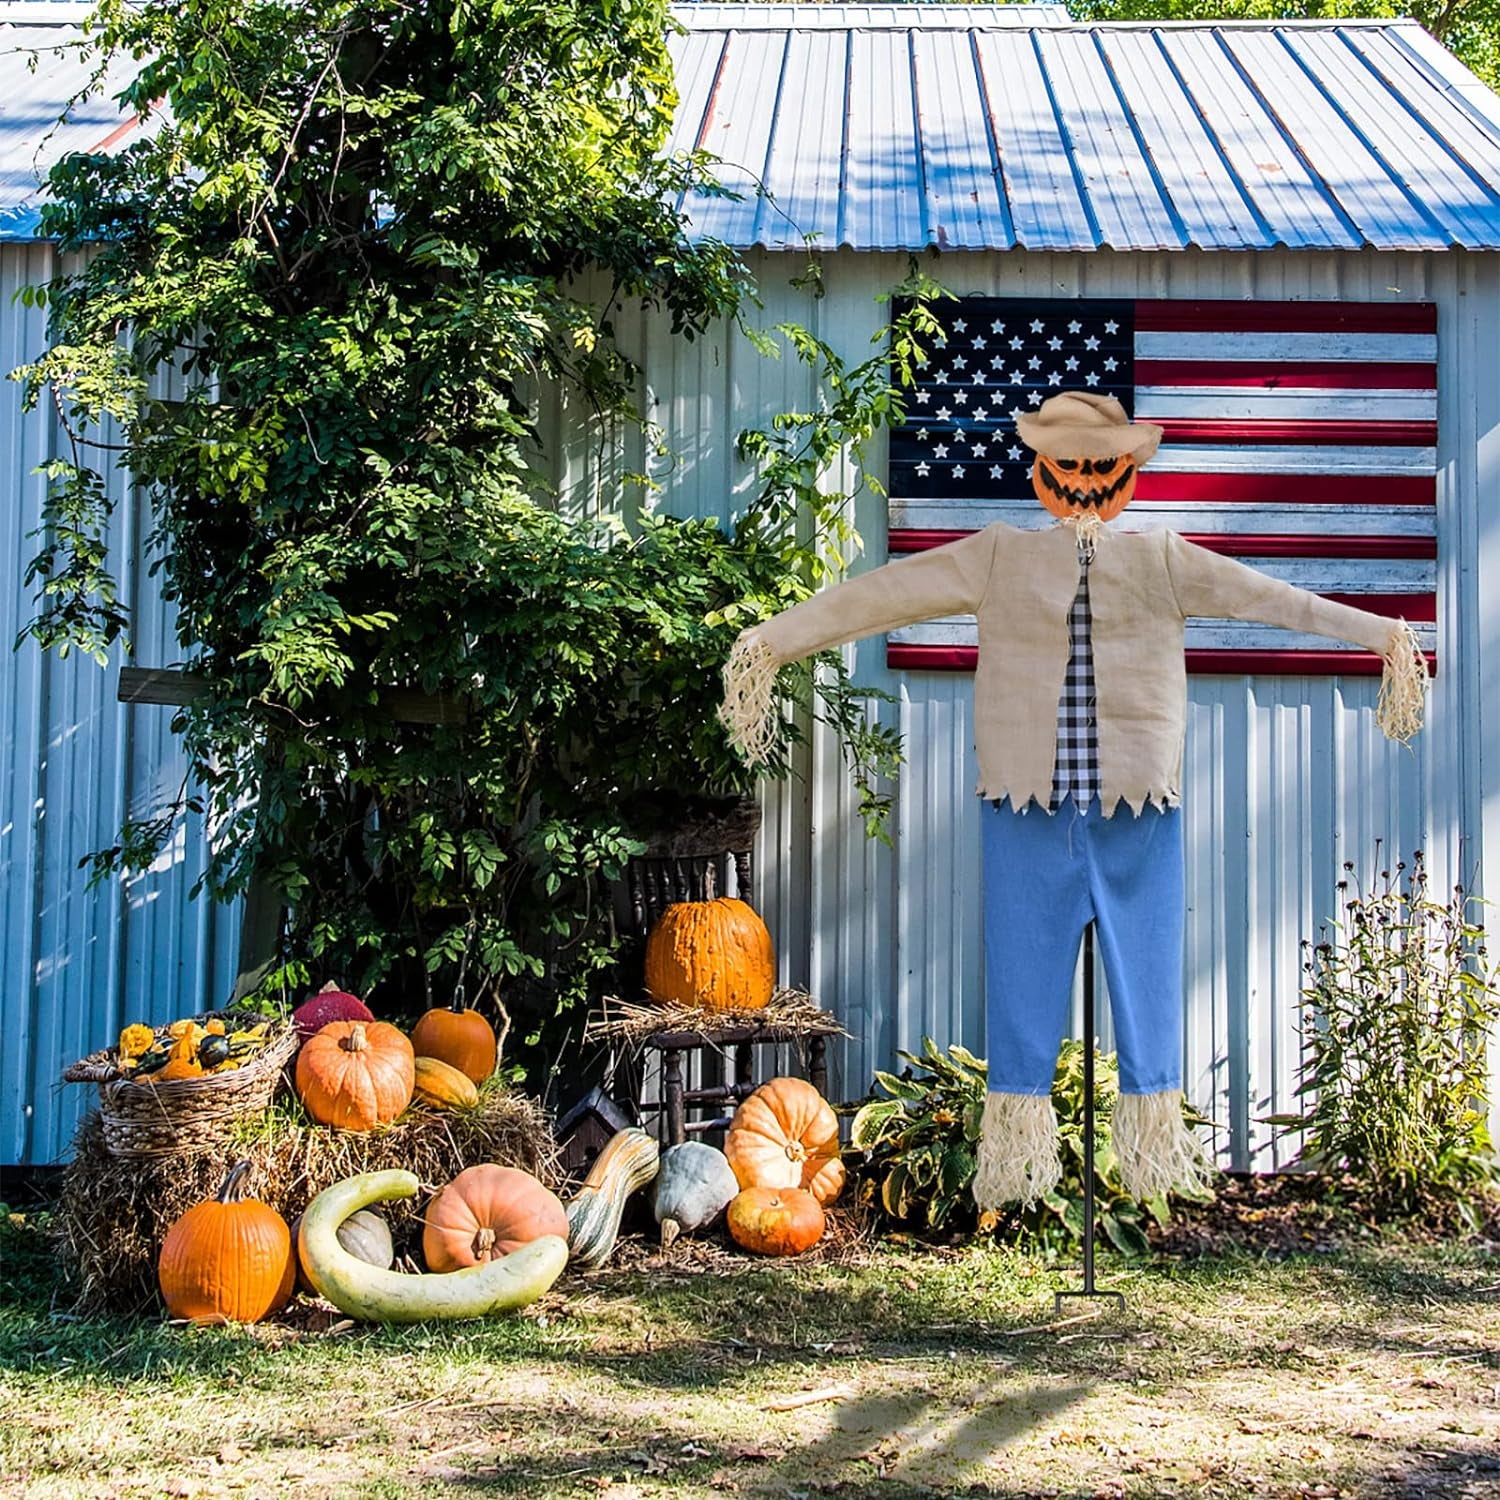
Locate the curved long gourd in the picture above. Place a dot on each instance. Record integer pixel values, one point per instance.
(365, 1291)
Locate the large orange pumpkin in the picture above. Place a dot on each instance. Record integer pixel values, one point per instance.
(460, 1037)
(227, 1260)
(355, 1074)
(714, 954)
(776, 1221)
(486, 1212)
(785, 1135)
(1083, 486)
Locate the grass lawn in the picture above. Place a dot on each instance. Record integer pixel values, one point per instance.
(1366, 1370)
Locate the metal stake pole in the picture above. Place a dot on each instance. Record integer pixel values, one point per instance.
(1088, 1289)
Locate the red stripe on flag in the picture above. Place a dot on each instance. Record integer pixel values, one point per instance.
(1323, 434)
(1397, 606)
(1285, 317)
(1288, 374)
(1239, 663)
(1290, 489)
(1239, 544)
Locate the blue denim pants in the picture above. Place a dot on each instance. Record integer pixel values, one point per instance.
(1045, 876)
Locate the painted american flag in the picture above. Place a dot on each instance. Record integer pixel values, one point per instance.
(1300, 437)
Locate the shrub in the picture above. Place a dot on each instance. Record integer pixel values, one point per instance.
(916, 1151)
(1398, 1006)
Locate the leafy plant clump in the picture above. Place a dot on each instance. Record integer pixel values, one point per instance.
(916, 1151)
(1397, 1012)
(316, 306)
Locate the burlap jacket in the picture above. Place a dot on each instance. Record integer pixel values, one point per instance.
(1020, 586)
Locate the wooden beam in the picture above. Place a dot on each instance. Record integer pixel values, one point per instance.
(177, 689)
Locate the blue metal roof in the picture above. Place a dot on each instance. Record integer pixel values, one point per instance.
(993, 127)
(983, 127)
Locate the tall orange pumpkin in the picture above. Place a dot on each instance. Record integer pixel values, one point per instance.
(486, 1212)
(458, 1036)
(714, 954)
(356, 1074)
(227, 1260)
(786, 1135)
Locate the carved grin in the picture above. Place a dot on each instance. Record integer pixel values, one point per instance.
(1091, 494)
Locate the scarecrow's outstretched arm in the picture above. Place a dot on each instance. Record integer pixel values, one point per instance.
(1208, 584)
(946, 580)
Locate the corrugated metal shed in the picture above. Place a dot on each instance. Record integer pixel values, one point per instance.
(984, 128)
(991, 127)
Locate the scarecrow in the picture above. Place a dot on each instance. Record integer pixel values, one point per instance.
(1080, 700)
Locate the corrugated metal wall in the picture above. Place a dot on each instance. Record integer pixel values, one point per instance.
(76, 964)
(1286, 778)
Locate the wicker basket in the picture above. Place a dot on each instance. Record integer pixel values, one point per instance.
(184, 1114)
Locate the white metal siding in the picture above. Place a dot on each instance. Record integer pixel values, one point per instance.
(75, 964)
(1285, 777)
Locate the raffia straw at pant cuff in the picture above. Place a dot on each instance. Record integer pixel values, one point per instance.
(1402, 701)
(1018, 1150)
(1154, 1146)
(748, 711)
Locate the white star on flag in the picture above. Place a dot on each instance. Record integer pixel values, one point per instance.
(997, 326)
(1033, 363)
(1111, 326)
(961, 397)
(1111, 364)
(1070, 363)
(1092, 378)
(1091, 343)
(941, 451)
(945, 414)
(1017, 378)
(1075, 327)
(960, 326)
(1035, 398)
(1013, 454)
(1036, 325)
(924, 470)
(996, 472)
(960, 363)
(1054, 378)
(1054, 343)
(958, 471)
(979, 341)
(1017, 343)
(922, 397)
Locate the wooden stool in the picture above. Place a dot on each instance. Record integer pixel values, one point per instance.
(676, 1100)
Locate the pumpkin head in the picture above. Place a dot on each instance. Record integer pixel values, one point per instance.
(459, 1037)
(785, 1135)
(714, 954)
(485, 1213)
(229, 1259)
(355, 1074)
(1083, 486)
(776, 1221)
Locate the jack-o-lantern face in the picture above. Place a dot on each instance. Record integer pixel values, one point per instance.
(1084, 486)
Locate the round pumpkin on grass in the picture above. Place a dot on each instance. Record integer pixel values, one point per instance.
(356, 1075)
(776, 1221)
(716, 955)
(227, 1260)
(460, 1037)
(486, 1212)
(786, 1135)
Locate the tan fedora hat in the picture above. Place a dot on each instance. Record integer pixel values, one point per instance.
(1081, 424)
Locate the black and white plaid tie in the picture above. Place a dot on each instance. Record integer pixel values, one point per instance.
(1077, 768)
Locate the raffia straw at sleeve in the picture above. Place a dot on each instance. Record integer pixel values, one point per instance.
(748, 711)
(1402, 701)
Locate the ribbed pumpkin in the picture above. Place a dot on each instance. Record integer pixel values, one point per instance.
(630, 1159)
(227, 1260)
(786, 1135)
(441, 1084)
(486, 1212)
(776, 1221)
(460, 1037)
(717, 955)
(355, 1074)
